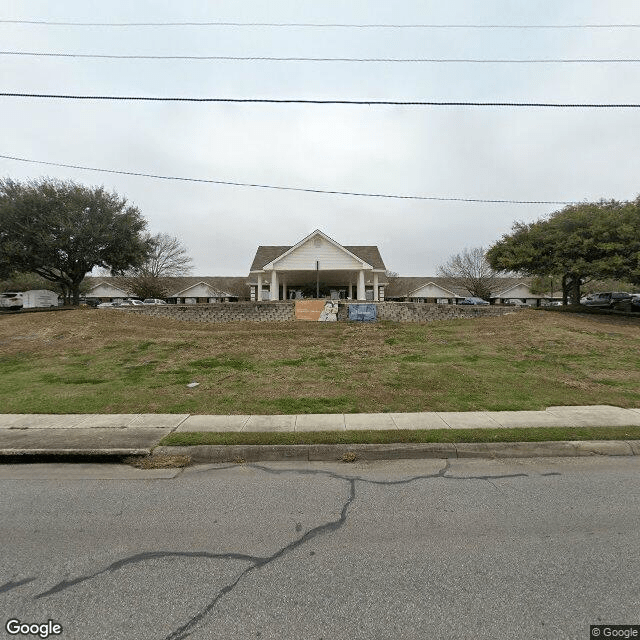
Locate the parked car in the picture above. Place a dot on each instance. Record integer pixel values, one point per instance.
(606, 300)
(632, 303)
(106, 305)
(130, 302)
(11, 300)
(90, 302)
(153, 301)
(472, 300)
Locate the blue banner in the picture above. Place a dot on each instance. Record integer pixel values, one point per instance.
(363, 312)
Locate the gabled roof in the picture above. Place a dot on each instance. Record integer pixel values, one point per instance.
(435, 284)
(234, 285)
(107, 282)
(508, 286)
(403, 287)
(266, 254)
(214, 293)
(365, 253)
(315, 233)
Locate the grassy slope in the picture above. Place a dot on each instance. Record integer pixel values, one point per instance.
(102, 361)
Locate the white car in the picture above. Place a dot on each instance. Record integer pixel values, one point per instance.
(153, 301)
(11, 300)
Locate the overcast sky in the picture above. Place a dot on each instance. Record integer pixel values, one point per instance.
(490, 153)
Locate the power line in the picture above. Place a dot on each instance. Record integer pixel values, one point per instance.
(400, 103)
(321, 25)
(47, 54)
(281, 188)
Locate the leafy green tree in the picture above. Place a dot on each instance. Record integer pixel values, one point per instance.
(61, 230)
(580, 242)
(24, 282)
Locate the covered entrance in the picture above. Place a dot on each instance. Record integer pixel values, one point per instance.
(317, 267)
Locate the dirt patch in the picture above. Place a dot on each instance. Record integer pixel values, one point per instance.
(159, 461)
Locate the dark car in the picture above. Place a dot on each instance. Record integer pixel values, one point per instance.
(607, 300)
(473, 300)
(632, 303)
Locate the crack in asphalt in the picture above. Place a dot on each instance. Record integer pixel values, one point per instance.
(143, 557)
(257, 562)
(185, 630)
(440, 474)
(7, 586)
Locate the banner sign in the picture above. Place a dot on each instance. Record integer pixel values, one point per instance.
(363, 312)
(309, 309)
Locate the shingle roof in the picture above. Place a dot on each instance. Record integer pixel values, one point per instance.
(369, 254)
(234, 285)
(401, 287)
(265, 254)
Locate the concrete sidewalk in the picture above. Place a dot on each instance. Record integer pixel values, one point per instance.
(138, 434)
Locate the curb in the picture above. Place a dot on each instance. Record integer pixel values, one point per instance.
(333, 452)
(73, 452)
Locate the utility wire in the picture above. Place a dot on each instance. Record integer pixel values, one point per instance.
(47, 54)
(321, 25)
(402, 103)
(281, 188)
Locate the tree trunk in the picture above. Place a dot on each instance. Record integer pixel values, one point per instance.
(565, 290)
(75, 294)
(574, 285)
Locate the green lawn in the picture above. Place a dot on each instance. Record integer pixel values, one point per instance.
(102, 361)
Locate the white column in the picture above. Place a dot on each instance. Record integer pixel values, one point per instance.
(361, 290)
(259, 290)
(375, 286)
(274, 286)
(284, 289)
(351, 291)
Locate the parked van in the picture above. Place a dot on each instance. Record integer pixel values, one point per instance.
(39, 298)
(11, 300)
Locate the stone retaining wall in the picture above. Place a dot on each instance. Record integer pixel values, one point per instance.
(283, 311)
(427, 312)
(221, 311)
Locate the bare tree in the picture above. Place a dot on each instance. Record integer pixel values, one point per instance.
(167, 258)
(471, 270)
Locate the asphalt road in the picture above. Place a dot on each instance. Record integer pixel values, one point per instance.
(528, 548)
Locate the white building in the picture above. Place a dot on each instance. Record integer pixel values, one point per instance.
(317, 264)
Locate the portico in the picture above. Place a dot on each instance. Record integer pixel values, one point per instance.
(317, 267)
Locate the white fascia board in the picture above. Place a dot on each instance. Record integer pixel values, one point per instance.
(106, 284)
(271, 265)
(513, 286)
(426, 284)
(215, 292)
